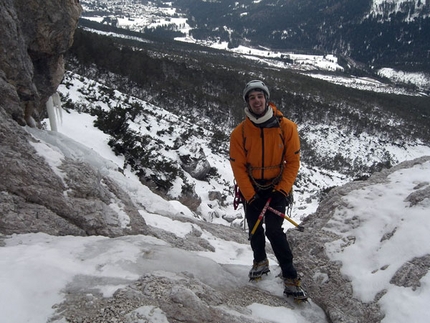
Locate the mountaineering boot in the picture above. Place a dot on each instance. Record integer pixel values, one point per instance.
(292, 287)
(258, 269)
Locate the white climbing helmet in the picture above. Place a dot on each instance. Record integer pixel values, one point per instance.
(253, 85)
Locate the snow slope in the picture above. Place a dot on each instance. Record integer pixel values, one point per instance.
(36, 268)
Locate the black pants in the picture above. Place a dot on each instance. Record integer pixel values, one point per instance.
(274, 232)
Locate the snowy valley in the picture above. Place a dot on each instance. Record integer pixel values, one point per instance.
(119, 208)
(141, 17)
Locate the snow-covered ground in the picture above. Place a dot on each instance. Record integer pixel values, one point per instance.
(383, 230)
(35, 268)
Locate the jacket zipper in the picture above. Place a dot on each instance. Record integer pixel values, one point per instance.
(262, 152)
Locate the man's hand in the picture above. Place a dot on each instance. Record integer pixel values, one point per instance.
(253, 199)
(278, 195)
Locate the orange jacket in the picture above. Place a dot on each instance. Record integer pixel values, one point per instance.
(262, 149)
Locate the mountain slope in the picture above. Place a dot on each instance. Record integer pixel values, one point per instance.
(185, 269)
(345, 133)
(157, 145)
(84, 240)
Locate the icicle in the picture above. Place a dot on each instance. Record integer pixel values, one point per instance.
(55, 113)
(57, 104)
(51, 114)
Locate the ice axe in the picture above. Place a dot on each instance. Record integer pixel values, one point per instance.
(282, 215)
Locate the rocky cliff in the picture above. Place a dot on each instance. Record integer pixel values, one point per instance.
(35, 35)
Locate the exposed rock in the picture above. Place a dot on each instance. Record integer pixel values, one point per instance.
(215, 196)
(36, 35)
(329, 288)
(419, 194)
(180, 299)
(410, 273)
(197, 166)
(33, 198)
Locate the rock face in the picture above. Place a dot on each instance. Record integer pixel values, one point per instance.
(323, 279)
(35, 35)
(33, 198)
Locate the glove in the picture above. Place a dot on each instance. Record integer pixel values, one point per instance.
(253, 199)
(278, 195)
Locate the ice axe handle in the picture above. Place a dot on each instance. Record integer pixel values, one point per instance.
(260, 217)
(282, 215)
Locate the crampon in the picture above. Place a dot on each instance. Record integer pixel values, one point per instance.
(259, 269)
(300, 296)
(257, 276)
(293, 289)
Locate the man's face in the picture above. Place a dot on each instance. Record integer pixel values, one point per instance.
(257, 102)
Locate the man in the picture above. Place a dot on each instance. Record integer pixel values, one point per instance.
(265, 159)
